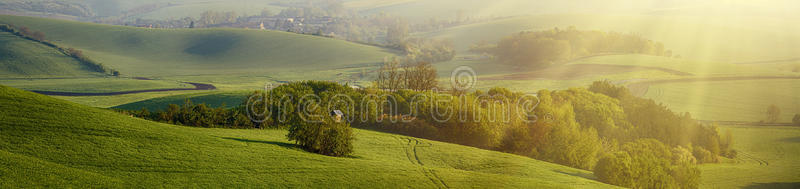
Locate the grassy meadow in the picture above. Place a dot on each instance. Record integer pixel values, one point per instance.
(230, 59)
(741, 100)
(24, 58)
(699, 38)
(95, 147)
(212, 99)
(92, 85)
(162, 52)
(766, 160)
(731, 60)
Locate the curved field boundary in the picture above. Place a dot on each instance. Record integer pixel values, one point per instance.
(197, 87)
(640, 88)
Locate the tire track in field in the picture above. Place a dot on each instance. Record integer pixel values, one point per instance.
(410, 148)
(747, 156)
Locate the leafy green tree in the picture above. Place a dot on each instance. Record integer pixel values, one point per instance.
(703, 156)
(569, 144)
(615, 168)
(328, 137)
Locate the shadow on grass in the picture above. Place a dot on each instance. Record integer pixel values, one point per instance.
(774, 185)
(284, 144)
(584, 175)
(281, 144)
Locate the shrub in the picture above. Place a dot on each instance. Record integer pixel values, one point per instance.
(686, 175)
(703, 156)
(326, 138)
(615, 169)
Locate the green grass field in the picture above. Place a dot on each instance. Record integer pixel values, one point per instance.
(231, 59)
(212, 99)
(727, 37)
(767, 159)
(161, 52)
(111, 101)
(694, 67)
(43, 137)
(744, 100)
(92, 85)
(20, 57)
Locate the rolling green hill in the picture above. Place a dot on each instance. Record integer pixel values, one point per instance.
(159, 52)
(150, 9)
(51, 142)
(20, 57)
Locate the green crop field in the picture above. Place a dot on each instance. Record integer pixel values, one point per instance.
(742, 100)
(767, 159)
(43, 136)
(693, 67)
(212, 99)
(231, 59)
(92, 85)
(20, 57)
(116, 100)
(161, 52)
(679, 33)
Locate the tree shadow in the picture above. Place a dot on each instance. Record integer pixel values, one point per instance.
(578, 174)
(285, 145)
(281, 144)
(772, 185)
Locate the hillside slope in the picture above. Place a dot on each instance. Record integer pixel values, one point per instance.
(51, 142)
(154, 52)
(24, 58)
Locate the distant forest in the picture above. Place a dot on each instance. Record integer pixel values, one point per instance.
(555, 46)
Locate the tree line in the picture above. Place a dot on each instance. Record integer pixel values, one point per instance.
(626, 140)
(78, 55)
(321, 134)
(419, 76)
(543, 48)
